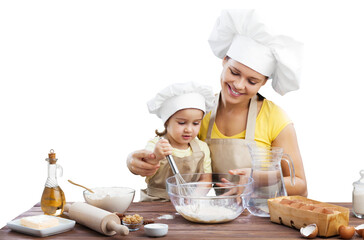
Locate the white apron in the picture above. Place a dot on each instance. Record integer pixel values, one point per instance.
(226, 153)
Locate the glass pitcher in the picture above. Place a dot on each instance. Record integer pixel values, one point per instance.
(268, 178)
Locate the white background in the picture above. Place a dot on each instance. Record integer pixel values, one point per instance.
(75, 76)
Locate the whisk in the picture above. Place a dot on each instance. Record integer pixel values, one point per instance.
(182, 190)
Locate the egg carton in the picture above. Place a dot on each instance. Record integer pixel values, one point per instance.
(298, 211)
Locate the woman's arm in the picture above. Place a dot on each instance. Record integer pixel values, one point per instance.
(141, 162)
(287, 139)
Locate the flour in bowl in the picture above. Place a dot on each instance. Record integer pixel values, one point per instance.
(207, 213)
(111, 199)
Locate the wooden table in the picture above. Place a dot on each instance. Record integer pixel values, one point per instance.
(246, 226)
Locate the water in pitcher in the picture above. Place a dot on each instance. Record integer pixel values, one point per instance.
(258, 205)
(268, 178)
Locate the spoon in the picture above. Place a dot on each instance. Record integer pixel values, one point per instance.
(81, 186)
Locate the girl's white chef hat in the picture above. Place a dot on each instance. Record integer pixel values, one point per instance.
(239, 35)
(181, 96)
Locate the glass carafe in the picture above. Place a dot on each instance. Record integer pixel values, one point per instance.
(53, 199)
(268, 178)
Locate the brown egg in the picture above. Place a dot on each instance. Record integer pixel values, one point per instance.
(328, 211)
(319, 204)
(307, 207)
(318, 209)
(296, 204)
(360, 230)
(310, 231)
(286, 201)
(346, 232)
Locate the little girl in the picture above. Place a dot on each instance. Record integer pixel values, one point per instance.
(181, 107)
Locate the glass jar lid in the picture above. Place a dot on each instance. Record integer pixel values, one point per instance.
(360, 182)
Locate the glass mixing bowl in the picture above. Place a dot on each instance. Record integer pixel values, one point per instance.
(209, 197)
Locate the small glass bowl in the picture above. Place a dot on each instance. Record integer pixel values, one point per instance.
(133, 226)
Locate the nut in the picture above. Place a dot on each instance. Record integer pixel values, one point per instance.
(147, 221)
(120, 215)
(133, 219)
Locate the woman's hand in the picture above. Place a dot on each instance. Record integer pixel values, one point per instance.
(236, 188)
(162, 149)
(240, 171)
(142, 162)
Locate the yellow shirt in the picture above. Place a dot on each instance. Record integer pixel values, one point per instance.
(184, 153)
(271, 120)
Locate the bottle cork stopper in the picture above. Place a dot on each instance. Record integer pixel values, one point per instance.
(52, 157)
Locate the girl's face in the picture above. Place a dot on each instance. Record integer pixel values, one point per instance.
(239, 82)
(183, 127)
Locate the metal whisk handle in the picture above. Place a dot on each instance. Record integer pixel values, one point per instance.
(173, 165)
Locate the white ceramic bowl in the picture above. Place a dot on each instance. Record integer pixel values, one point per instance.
(210, 197)
(112, 199)
(156, 229)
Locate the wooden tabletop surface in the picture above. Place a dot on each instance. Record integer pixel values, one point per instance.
(246, 226)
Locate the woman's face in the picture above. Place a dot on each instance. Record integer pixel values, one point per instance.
(239, 82)
(183, 127)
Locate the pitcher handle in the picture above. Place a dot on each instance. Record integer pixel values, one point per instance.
(292, 172)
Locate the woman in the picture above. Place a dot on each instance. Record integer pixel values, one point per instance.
(250, 56)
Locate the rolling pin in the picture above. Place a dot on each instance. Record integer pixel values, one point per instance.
(95, 218)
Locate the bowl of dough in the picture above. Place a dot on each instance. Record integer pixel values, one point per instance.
(209, 197)
(112, 199)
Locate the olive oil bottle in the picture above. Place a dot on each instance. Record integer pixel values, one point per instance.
(53, 199)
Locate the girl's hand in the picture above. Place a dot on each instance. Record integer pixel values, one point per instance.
(162, 149)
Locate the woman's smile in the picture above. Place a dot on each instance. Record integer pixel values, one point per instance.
(233, 92)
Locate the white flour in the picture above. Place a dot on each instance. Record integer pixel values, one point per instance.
(166, 216)
(111, 199)
(206, 213)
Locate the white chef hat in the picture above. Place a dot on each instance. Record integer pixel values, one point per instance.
(181, 96)
(239, 35)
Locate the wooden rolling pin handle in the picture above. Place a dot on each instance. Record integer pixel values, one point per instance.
(119, 229)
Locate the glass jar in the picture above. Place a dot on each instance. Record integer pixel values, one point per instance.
(358, 196)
